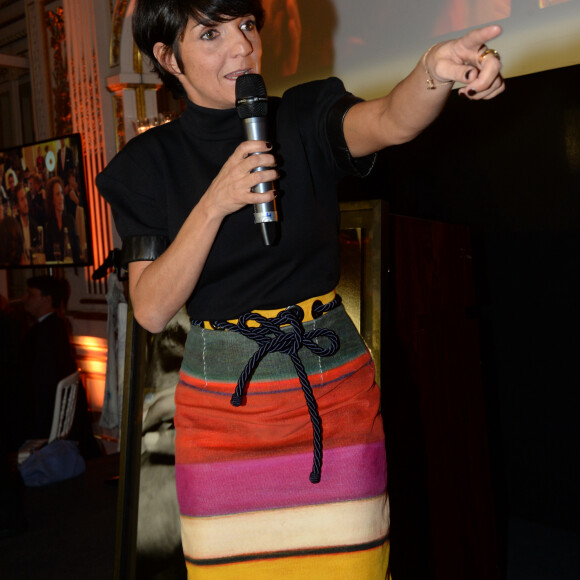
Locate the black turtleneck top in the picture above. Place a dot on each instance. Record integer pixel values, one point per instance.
(156, 180)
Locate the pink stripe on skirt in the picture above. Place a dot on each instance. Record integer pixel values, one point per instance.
(353, 472)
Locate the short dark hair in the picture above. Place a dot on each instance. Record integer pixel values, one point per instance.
(57, 289)
(37, 178)
(165, 21)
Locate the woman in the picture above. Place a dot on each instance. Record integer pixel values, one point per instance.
(61, 241)
(182, 200)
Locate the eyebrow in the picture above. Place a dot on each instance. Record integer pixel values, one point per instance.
(204, 25)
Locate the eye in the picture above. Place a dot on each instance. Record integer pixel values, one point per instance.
(210, 34)
(249, 25)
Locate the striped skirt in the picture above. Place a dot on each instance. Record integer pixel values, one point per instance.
(248, 508)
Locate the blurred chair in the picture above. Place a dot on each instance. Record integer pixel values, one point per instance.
(62, 418)
(64, 407)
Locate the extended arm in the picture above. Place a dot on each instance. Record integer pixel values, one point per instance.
(411, 106)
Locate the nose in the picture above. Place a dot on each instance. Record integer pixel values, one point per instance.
(241, 44)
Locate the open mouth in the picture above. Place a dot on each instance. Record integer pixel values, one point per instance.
(236, 74)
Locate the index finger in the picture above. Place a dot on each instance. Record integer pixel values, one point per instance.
(476, 38)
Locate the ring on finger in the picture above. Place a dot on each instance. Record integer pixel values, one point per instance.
(487, 52)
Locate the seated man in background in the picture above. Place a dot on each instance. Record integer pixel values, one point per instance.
(46, 355)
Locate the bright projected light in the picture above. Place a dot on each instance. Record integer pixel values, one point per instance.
(372, 44)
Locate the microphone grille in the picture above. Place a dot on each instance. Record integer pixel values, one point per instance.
(251, 96)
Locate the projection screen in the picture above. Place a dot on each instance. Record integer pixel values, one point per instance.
(371, 44)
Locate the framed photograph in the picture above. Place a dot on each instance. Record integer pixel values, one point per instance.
(44, 214)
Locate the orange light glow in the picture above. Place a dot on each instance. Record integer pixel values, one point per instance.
(91, 352)
(92, 343)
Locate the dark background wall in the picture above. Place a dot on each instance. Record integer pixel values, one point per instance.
(510, 170)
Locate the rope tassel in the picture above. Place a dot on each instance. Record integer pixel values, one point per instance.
(271, 338)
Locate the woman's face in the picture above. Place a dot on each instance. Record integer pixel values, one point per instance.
(214, 57)
(58, 197)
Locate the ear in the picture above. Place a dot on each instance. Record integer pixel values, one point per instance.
(166, 58)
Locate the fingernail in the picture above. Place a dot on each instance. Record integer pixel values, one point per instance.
(472, 92)
(268, 145)
(468, 74)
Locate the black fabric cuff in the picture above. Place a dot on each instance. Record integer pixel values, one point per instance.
(335, 120)
(142, 249)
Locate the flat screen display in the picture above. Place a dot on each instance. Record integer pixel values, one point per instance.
(44, 219)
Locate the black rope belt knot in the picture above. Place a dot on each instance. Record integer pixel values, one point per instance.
(272, 338)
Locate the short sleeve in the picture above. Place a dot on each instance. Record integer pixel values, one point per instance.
(335, 129)
(319, 108)
(133, 188)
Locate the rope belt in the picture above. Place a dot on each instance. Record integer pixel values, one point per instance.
(310, 313)
(271, 338)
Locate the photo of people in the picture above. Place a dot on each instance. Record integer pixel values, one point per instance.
(43, 214)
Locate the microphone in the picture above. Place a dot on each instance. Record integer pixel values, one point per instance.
(252, 106)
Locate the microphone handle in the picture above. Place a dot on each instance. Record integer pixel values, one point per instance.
(265, 214)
